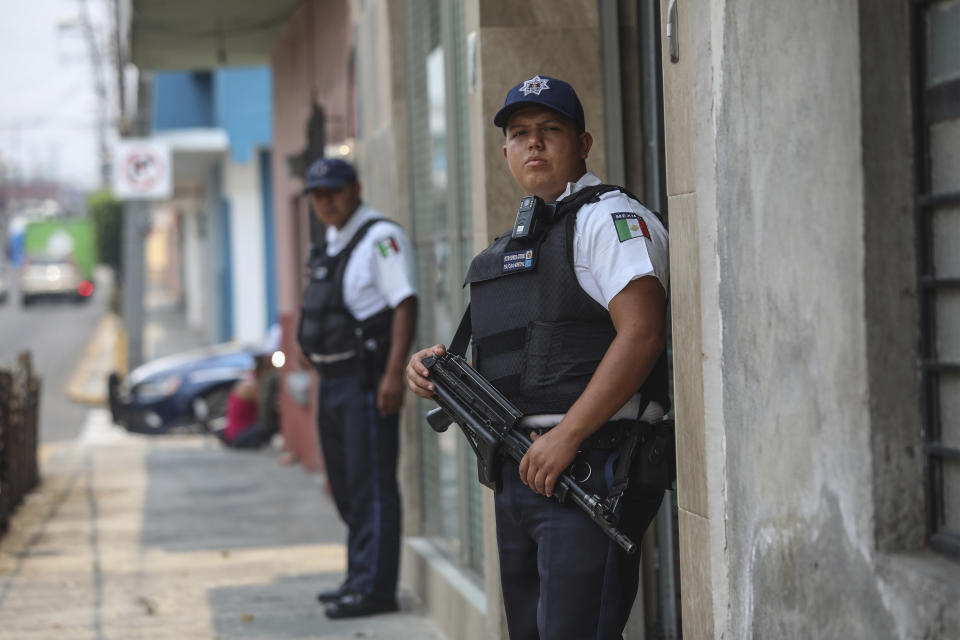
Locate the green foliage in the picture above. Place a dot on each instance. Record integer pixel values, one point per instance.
(107, 214)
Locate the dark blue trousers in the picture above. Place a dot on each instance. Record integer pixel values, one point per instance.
(360, 451)
(562, 577)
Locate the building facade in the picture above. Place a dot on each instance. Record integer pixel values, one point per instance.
(219, 127)
(805, 157)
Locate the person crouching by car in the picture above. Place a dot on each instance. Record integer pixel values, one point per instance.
(251, 405)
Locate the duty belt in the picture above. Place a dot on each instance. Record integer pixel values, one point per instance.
(609, 436)
(335, 365)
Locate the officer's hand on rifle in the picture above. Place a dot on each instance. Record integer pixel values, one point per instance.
(548, 456)
(417, 374)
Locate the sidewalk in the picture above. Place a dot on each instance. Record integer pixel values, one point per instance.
(176, 537)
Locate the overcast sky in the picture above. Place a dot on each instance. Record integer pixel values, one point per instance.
(48, 105)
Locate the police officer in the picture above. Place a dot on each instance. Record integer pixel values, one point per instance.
(569, 323)
(356, 326)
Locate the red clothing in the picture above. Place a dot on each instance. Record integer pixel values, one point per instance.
(241, 415)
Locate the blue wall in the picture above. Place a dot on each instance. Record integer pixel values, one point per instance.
(237, 100)
(242, 106)
(182, 100)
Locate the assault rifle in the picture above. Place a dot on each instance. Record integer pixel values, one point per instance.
(487, 418)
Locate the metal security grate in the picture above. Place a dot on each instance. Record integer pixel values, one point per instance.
(19, 400)
(936, 36)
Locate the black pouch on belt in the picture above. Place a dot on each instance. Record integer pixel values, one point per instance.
(655, 461)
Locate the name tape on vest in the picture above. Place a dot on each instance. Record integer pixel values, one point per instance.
(517, 261)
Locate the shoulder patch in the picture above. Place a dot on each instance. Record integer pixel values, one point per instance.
(629, 225)
(388, 247)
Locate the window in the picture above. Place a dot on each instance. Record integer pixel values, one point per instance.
(443, 238)
(937, 109)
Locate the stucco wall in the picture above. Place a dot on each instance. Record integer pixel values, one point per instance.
(790, 244)
(796, 405)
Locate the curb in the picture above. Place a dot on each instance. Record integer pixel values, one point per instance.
(88, 382)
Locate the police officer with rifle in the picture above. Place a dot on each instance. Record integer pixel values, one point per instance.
(567, 319)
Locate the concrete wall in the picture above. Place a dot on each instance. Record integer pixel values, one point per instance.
(242, 189)
(783, 222)
(791, 291)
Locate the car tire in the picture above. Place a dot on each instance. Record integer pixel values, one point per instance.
(210, 408)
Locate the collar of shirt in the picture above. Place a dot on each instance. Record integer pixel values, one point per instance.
(337, 239)
(587, 180)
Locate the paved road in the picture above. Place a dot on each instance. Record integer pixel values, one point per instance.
(56, 333)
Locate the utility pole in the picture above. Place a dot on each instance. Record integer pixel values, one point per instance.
(100, 89)
(120, 63)
(136, 225)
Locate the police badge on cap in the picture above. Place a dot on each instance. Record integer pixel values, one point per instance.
(542, 91)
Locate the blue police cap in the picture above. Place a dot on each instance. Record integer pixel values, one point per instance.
(544, 92)
(329, 173)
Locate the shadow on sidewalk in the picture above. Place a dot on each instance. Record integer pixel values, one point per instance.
(212, 498)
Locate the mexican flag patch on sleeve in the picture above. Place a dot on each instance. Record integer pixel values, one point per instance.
(388, 247)
(630, 225)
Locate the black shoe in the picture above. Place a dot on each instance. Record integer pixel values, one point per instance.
(354, 605)
(331, 595)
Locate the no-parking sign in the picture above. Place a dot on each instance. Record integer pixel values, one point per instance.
(142, 170)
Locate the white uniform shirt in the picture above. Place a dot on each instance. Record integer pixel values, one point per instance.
(381, 270)
(615, 241)
(607, 253)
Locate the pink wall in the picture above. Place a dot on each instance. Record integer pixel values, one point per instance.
(311, 61)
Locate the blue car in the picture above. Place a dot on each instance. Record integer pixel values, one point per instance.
(182, 392)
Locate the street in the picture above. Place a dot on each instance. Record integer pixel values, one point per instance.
(55, 332)
(131, 536)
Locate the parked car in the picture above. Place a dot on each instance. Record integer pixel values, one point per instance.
(182, 392)
(42, 276)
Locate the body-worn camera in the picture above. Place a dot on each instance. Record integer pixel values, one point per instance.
(531, 216)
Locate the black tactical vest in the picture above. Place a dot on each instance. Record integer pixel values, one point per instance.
(328, 333)
(537, 335)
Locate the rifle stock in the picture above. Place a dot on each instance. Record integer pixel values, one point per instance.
(487, 419)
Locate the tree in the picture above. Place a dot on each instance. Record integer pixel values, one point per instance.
(107, 214)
